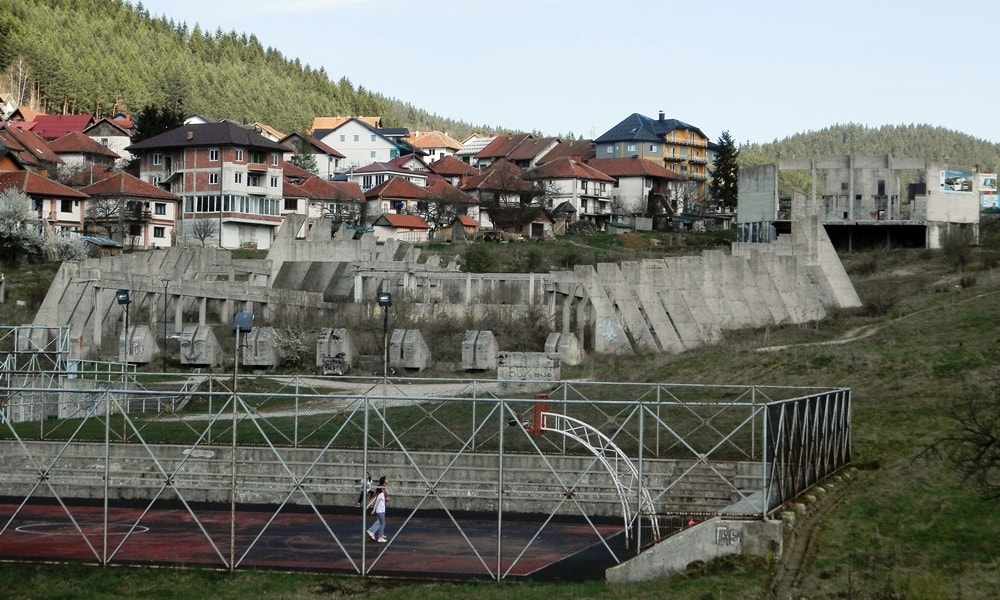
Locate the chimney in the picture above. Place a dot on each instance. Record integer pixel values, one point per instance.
(190, 134)
(662, 116)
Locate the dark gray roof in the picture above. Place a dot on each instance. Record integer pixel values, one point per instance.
(641, 128)
(208, 134)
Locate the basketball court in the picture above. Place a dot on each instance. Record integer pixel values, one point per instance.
(422, 544)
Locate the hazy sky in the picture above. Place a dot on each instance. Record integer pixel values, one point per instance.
(761, 70)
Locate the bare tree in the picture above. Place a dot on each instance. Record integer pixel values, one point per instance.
(441, 209)
(106, 214)
(19, 80)
(972, 444)
(202, 229)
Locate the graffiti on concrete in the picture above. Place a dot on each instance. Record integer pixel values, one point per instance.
(725, 536)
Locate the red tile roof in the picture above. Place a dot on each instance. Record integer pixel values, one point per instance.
(582, 150)
(124, 184)
(502, 145)
(76, 142)
(502, 175)
(30, 149)
(397, 187)
(566, 168)
(631, 167)
(467, 221)
(318, 188)
(449, 166)
(442, 190)
(531, 149)
(52, 127)
(37, 186)
(403, 221)
(433, 139)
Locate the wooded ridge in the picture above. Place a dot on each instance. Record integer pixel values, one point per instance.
(103, 56)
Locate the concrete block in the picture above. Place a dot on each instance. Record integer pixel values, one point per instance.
(479, 350)
(519, 370)
(140, 347)
(408, 350)
(259, 349)
(199, 346)
(336, 353)
(566, 346)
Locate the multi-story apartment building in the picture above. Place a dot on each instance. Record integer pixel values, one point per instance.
(229, 180)
(677, 146)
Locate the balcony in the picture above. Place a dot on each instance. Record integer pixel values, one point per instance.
(257, 167)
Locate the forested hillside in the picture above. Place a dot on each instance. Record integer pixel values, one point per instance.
(916, 141)
(98, 56)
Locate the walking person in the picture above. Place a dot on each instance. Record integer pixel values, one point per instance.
(366, 490)
(376, 531)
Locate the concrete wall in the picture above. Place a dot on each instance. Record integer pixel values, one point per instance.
(758, 201)
(666, 305)
(705, 541)
(468, 481)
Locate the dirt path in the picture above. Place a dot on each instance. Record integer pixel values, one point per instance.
(800, 543)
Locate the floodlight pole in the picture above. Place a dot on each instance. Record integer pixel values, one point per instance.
(123, 298)
(385, 301)
(166, 282)
(242, 323)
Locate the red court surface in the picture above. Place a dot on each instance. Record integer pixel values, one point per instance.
(422, 544)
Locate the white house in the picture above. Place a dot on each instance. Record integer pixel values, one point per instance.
(360, 143)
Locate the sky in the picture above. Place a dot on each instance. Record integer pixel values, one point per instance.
(762, 71)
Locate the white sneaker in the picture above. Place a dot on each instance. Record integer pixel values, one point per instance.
(371, 535)
(382, 539)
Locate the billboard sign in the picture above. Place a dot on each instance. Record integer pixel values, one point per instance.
(956, 181)
(988, 183)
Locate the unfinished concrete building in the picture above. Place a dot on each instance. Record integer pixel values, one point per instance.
(862, 201)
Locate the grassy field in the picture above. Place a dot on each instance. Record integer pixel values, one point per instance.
(906, 527)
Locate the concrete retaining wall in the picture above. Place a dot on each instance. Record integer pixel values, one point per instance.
(531, 484)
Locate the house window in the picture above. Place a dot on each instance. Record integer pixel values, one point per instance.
(357, 138)
(66, 206)
(373, 137)
(630, 148)
(291, 204)
(213, 154)
(366, 182)
(155, 180)
(159, 208)
(255, 180)
(238, 177)
(604, 186)
(157, 159)
(583, 186)
(653, 148)
(239, 155)
(343, 138)
(372, 154)
(274, 182)
(105, 142)
(274, 159)
(609, 150)
(159, 232)
(213, 178)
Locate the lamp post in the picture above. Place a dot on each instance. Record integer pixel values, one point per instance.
(165, 281)
(242, 323)
(122, 296)
(385, 301)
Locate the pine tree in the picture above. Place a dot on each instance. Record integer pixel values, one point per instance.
(724, 188)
